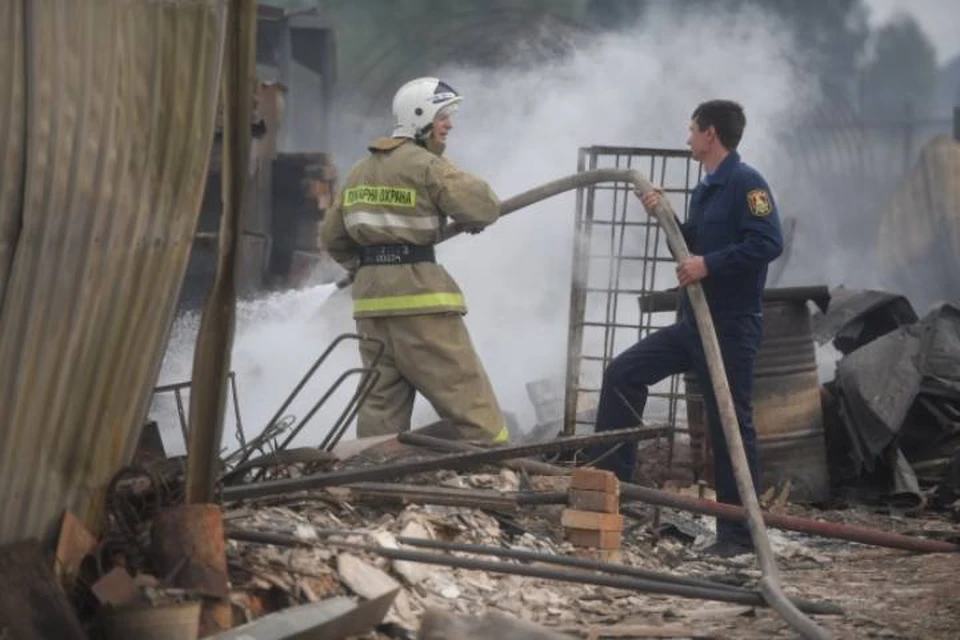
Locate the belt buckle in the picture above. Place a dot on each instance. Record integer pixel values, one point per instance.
(389, 255)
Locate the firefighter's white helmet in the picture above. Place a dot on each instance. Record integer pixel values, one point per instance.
(417, 103)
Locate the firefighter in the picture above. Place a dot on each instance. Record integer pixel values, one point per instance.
(382, 229)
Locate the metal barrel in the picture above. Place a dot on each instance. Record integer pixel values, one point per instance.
(786, 404)
(174, 621)
(786, 407)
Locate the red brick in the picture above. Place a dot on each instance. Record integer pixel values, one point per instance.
(574, 519)
(594, 539)
(594, 480)
(601, 501)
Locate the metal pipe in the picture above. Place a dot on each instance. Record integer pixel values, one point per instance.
(454, 461)
(582, 238)
(427, 494)
(441, 444)
(266, 537)
(241, 436)
(839, 531)
(605, 567)
(579, 563)
(630, 492)
(286, 539)
(718, 594)
(834, 530)
(668, 300)
(611, 575)
(182, 415)
(173, 386)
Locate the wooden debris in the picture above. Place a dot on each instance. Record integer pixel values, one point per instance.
(73, 545)
(363, 578)
(116, 588)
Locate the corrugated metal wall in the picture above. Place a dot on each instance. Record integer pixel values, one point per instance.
(925, 212)
(12, 133)
(106, 120)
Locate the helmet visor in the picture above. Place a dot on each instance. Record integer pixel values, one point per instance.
(447, 110)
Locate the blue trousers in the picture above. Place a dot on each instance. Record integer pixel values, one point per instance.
(678, 349)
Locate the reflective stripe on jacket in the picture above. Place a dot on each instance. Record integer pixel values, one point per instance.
(403, 194)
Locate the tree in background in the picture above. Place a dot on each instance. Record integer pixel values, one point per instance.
(827, 37)
(901, 73)
(613, 14)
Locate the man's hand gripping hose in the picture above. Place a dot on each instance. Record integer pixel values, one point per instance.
(770, 585)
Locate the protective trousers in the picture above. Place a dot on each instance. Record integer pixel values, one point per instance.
(432, 354)
(677, 349)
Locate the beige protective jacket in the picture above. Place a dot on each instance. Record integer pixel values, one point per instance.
(404, 194)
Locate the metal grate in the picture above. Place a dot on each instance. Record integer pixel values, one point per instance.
(620, 255)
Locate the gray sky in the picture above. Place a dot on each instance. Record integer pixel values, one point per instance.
(939, 18)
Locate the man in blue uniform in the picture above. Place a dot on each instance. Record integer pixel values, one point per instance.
(733, 233)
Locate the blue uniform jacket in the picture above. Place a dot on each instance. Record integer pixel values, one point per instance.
(733, 223)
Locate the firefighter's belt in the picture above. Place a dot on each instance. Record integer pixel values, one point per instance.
(385, 254)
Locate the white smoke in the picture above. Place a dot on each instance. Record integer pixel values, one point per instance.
(519, 128)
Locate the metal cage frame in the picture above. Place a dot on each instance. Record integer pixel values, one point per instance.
(616, 253)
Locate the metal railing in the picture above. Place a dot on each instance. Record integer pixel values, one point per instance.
(276, 425)
(267, 442)
(617, 258)
(177, 389)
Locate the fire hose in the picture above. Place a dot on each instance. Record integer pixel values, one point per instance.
(770, 585)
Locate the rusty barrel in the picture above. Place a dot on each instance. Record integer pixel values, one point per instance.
(189, 549)
(786, 407)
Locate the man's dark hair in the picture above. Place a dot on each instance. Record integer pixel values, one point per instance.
(725, 116)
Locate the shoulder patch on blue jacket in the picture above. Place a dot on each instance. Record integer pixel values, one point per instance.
(758, 201)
